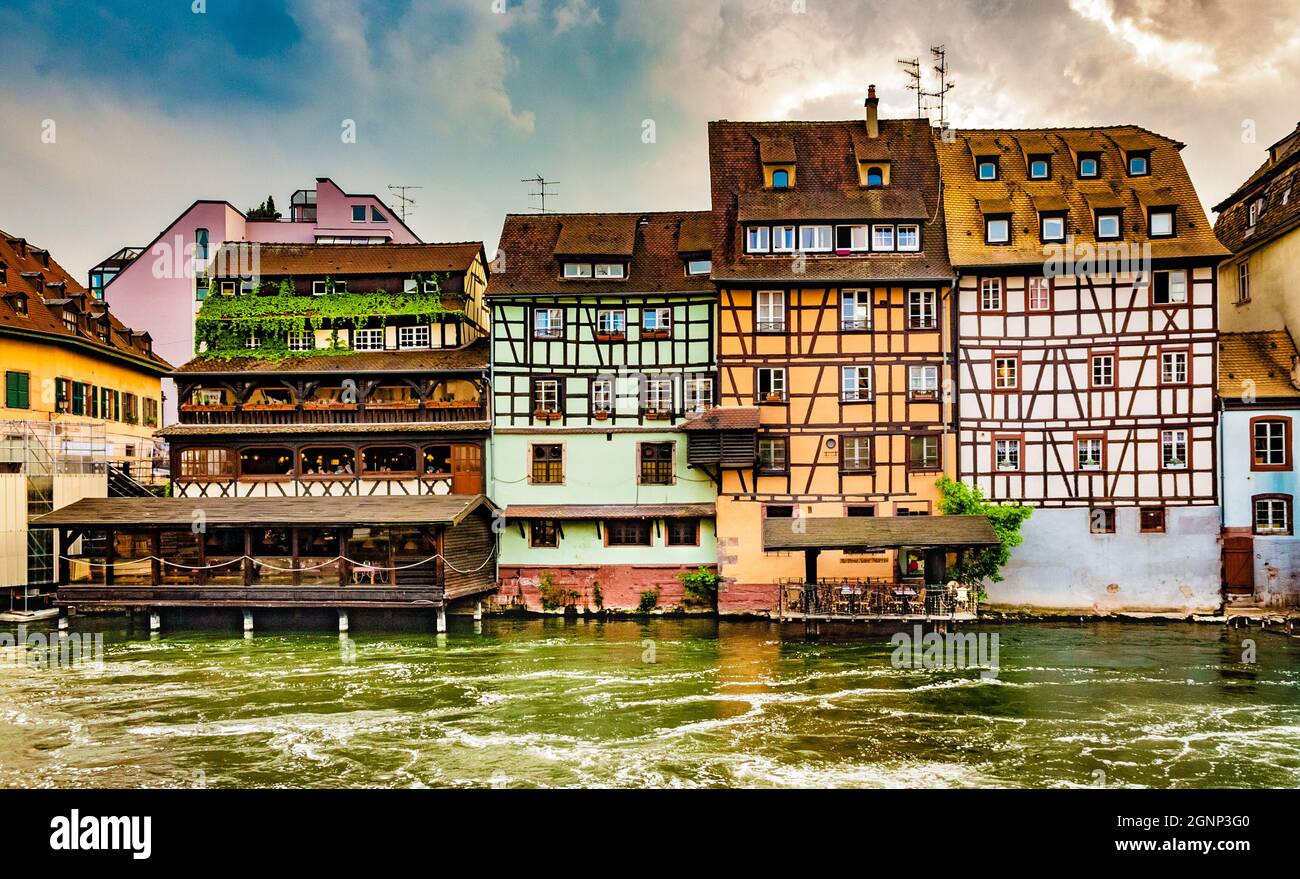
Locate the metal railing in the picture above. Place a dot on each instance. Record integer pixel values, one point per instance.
(874, 597)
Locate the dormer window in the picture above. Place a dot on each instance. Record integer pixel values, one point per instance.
(814, 239)
(909, 237)
(781, 179)
(1139, 164)
(4, 274)
(358, 213)
(986, 168)
(1052, 227)
(997, 230)
(1109, 225)
(376, 216)
(577, 270)
(1256, 209)
(610, 270)
(20, 304)
(783, 239)
(1089, 164)
(875, 176)
(699, 266)
(1040, 167)
(1160, 222)
(70, 319)
(757, 239)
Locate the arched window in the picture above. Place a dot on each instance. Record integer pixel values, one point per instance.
(875, 177)
(781, 179)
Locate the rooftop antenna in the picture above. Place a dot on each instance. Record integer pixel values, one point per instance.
(404, 202)
(946, 85)
(912, 67)
(542, 193)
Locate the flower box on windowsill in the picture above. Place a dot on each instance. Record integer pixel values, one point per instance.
(216, 407)
(269, 407)
(657, 415)
(923, 395)
(650, 335)
(405, 404)
(540, 415)
(610, 337)
(452, 404)
(774, 398)
(345, 407)
(600, 415)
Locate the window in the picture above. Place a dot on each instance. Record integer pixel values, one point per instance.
(1006, 372)
(1170, 287)
(699, 266)
(610, 270)
(544, 533)
(1040, 167)
(855, 454)
(656, 464)
(375, 215)
(882, 237)
(201, 250)
(1256, 208)
(358, 213)
(322, 462)
(388, 461)
(1090, 453)
(548, 323)
(757, 239)
(875, 176)
(320, 288)
(987, 168)
(909, 237)
(252, 342)
(778, 511)
(1270, 443)
(547, 464)
(1089, 165)
(413, 337)
(658, 394)
(628, 532)
(855, 310)
(1243, 280)
(771, 311)
(1038, 294)
(78, 398)
(301, 341)
(1052, 227)
(656, 322)
(783, 238)
(1273, 514)
(1006, 455)
(682, 532)
(772, 456)
(437, 459)
(368, 339)
(855, 384)
(1101, 372)
(1101, 520)
(577, 270)
(62, 391)
(20, 304)
(771, 384)
(1173, 367)
(266, 463)
(70, 319)
(207, 464)
(602, 395)
(546, 396)
(611, 324)
(780, 179)
(699, 393)
(1108, 225)
(923, 382)
(1151, 520)
(228, 288)
(923, 452)
(1139, 164)
(921, 309)
(1160, 223)
(991, 294)
(850, 238)
(814, 239)
(17, 390)
(997, 230)
(1173, 449)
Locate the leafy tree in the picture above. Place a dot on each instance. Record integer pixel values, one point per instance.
(265, 211)
(959, 499)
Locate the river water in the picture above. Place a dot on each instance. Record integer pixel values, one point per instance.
(661, 703)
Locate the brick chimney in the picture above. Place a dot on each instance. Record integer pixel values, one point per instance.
(873, 122)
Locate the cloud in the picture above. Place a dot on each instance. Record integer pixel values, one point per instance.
(575, 14)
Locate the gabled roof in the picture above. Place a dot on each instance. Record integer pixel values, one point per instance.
(1275, 180)
(1256, 365)
(724, 418)
(533, 247)
(966, 198)
(343, 260)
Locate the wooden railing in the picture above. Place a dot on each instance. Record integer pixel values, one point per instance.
(343, 413)
(870, 597)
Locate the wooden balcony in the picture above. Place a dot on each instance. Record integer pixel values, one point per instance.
(870, 599)
(347, 597)
(336, 413)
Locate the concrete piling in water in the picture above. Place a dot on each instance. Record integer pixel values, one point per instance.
(248, 620)
(343, 621)
(155, 621)
(442, 620)
(478, 611)
(63, 623)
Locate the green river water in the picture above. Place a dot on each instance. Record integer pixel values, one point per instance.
(566, 703)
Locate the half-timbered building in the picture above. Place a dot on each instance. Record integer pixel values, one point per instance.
(1086, 328)
(603, 344)
(833, 283)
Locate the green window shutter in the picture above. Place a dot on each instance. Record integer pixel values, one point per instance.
(78, 398)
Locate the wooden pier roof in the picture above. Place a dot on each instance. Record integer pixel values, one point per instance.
(609, 511)
(889, 532)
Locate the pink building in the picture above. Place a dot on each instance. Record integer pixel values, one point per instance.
(153, 288)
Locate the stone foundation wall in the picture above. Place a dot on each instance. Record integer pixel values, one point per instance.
(620, 585)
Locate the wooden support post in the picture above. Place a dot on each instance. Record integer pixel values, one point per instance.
(201, 575)
(343, 620)
(64, 567)
(478, 609)
(248, 620)
(155, 550)
(810, 565)
(442, 619)
(297, 574)
(110, 553)
(155, 619)
(248, 562)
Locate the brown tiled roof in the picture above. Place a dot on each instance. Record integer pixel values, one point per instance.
(693, 237)
(1278, 177)
(1264, 360)
(341, 260)
(198, 430)
(597, 235)
(49, 289)
(827, 187)
(469, 358)
(530, 264)
(964, 196)
(608, 511)
(878, 533)
(724, 418)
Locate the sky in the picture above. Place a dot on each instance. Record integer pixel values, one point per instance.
(115, 115)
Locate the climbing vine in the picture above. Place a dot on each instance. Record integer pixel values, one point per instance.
(275, 309)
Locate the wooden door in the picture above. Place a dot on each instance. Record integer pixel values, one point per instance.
(467, 468)
(1239, 565)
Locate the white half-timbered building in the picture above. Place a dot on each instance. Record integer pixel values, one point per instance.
(1086, 325)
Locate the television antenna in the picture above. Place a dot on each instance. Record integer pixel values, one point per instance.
(542, 193)
(940, 54)
(912, 67)
(404, 202)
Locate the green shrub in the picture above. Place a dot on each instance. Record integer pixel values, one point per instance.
(700, 586)
(649, 601)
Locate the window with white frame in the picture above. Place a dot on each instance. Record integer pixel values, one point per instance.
(1270, 445)
(1006, 373)
(1170, 287)
(850, 238)
(1272, 515)
(1103, 370)
(1038, 294)
(882, 237)
(921, 309)
(771, 311)
(923, 382)
(783, 239)
(1243, 280)
(548, 323)
(546, 396)
(602, 395)
(411, 285)
(1173, 449)
(1090, 452)
(1006, 454)
(610, 270)
(855, 383)
(698, 393)
(772, 455)
(855, 310)
(611, 322)
(1173, 367)
(991, 294)
(370, 339)
(1108, 225)
(659, 394)
(1161, 223)
(857, 453)
(814, 239)
(657, 320)
(757, 239)
(252, 341)
(771, 384)
(699, 266)
(997, 230)
(577, 270)
(1052, 227)
(301, 341)
(909, 237)
(413, 337)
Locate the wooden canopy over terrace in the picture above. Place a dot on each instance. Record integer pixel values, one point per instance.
(876, 533)
(268, 512)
